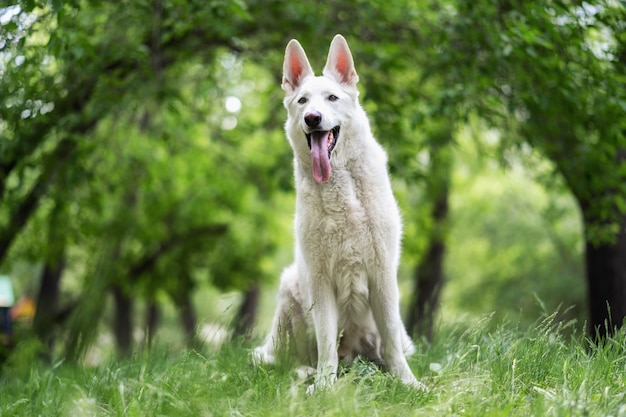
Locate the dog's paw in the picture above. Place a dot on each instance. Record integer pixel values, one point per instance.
(305, 372)
(260, 356)
(415, 384)
(322, 383)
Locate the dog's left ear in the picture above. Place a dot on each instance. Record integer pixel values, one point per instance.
(339, 64)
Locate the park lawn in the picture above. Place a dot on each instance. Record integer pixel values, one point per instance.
(475, 371)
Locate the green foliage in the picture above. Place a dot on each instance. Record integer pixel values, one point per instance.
(511, 243)
(123, 137)
(551, 71)
(469, 370)
(118, 154)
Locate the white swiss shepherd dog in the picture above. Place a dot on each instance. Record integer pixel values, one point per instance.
(339, 299)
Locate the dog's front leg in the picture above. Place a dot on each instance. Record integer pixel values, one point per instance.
(385, 306)
(324, 314)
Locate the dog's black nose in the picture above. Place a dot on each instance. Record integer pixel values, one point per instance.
(313, 118)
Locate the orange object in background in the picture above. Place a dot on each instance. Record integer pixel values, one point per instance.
(23, 310)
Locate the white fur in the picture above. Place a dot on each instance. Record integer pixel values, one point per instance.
(340, 297)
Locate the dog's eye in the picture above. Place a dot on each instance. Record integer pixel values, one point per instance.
(302, 100)
(333, 97)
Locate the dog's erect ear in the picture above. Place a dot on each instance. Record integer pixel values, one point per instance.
(296, 67)
(339, 64)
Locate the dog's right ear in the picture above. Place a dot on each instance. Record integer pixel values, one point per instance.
(296, 67)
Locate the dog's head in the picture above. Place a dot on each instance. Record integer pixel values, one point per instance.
(318, 107)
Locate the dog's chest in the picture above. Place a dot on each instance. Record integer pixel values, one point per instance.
(341, 226)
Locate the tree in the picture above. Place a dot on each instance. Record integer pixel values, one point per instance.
(102, 127)
(105, 132)
(429, 273)
(121, 168)
(553, 72)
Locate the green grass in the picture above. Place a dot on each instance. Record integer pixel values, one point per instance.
(470, 372)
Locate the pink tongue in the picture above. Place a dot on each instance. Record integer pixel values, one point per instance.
(319, 156)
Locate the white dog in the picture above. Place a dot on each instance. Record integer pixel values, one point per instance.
(340, 297)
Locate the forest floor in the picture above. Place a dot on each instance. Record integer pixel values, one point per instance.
(476, 370)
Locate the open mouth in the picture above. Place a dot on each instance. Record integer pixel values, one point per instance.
(321, 144)
(330, 136)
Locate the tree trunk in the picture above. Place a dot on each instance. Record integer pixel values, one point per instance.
(188, 318)
(153, 316)
(122, 321)
(605, 256)
(606, 284)
(46, 311)
(429, 274)
(429, 279)
(246, 315)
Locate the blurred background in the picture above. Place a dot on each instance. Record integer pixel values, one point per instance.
(146, 184)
